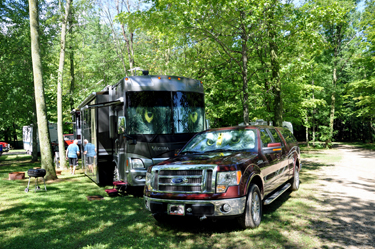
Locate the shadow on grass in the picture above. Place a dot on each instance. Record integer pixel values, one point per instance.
(346, 226)
(62, 217)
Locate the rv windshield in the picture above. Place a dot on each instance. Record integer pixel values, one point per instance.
(162, 112)
(188, 112)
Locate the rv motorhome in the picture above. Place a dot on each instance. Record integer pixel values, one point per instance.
(136, 123)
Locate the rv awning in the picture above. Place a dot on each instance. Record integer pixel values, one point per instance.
(105, 104)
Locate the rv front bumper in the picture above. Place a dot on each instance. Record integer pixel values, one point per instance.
(209, 208)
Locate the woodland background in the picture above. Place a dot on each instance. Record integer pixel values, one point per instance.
(307, 62)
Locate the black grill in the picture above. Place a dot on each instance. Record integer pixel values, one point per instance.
(36, 173)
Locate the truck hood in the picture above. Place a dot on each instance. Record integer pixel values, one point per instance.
(218, 158)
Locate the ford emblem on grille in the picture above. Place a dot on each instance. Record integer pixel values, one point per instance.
(178, 180)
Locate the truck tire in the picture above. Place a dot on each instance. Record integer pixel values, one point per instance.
(252, 216)
(161, 218)
(136, 191)
(165, 219)
(295, 179)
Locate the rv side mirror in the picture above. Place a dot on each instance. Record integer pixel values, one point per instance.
(121, 125)
(208, 124)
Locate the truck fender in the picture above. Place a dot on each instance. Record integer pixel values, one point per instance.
(251, 175)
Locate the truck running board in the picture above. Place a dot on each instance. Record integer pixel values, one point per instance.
(273, 197)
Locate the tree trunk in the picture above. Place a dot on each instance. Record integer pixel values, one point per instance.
(43, 131)
(307, 131)
(275, 74)
(34, 153)
(60, 128)
(119, 50)
(72, 78)
(129, 43)
(333, 102)
(245, 74)
(314, 111)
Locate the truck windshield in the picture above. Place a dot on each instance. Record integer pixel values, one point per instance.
(162, 112)
(223, 140)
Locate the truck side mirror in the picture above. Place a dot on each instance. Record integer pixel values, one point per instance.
(121, 125)
(272, 148)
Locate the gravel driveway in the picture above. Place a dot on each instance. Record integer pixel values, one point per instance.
(346, 190)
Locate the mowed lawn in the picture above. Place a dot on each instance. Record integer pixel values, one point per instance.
(62, 217)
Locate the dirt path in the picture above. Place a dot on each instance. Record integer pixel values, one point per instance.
(346, 190)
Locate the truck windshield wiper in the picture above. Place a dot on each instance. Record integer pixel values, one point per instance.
(221, 150)
(192, 152)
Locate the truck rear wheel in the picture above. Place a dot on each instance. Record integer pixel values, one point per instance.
(295, 179)
(252, 216)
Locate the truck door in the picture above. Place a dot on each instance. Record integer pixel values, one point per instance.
(283, 171)
(271, 171)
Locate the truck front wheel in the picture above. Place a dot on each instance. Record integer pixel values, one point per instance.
(253, 211)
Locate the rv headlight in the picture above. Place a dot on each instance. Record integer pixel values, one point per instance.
(137, 163)
(226, 179)
(149, 181)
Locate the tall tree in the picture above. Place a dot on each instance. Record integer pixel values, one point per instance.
(43, 131)
(60, 130)
(338, 35)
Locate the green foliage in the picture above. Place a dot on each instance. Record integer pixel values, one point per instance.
(265, 59)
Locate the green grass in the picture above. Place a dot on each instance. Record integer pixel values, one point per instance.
(368, 146)
(328, 158)
(62, 217)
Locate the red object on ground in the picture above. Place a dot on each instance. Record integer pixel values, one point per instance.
(111, 192)
(16, 175)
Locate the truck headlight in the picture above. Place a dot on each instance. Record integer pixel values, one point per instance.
(149, 181)
(137, 163)
(226, 179)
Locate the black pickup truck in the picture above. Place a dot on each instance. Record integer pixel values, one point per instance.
(225, 172)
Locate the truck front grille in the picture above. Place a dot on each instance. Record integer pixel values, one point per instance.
(180, 188)
(184, 179)
(181, 172)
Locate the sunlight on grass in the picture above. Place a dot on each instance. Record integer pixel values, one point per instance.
(62, 217)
